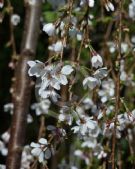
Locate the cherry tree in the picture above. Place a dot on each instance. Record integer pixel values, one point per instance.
(73, 83)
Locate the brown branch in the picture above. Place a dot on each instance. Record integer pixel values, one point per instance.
(117, 83)
(22, 85)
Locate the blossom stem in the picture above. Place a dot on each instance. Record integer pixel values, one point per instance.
(117, 91)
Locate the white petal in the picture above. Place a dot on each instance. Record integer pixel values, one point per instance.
(44, 93)
(100, 116)
(101, 73)
(107, 8)
(31, 63)
(54, 96)
(36, 151)
(43, 141)
(62, 117)
(66, 70)
(90, 144)
(15, 19)
(85, 81)
(97, 61)
(63, 80)
(90, 82)
(55, 84)
(58, 46)
(41, 157)
(78, 153)
(111, 6)
(36, 69)
(33, 72)
(47, 153)
(79, 36)
(1, 4)
(4, 151)
(91, 3)
(49, 29)
(91, 124)
(36, 145)
(83, 129)
(45, 83)
(5, 137)
(75, 129)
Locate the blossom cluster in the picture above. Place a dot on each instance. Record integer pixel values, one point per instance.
(51, 77)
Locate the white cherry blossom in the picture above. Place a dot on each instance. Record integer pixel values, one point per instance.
(132, 10)
(15, 19)
(88, 103)
(82, 155)
(1, 4)
(124, 47)
(91, 3)
(36, 68)
(102, 155)
(49, 93)
(97, 61)
(2, 166)
(67, 70)
(51, 77)
(56, 47)
(84, 125)
(89, 142)
(41, 150)
(90, 82)
(56, 76)
(49, 28)
(130, 117)
(79, 36)
(67, 118)
(107, 91)
(113, 47)
(27, 157)
(101, 73)
(9, 107)
(41, 107)
(99, 152)
(109, 6)
(5, 137)
(3, 148)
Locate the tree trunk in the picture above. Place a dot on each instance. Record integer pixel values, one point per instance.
(22, 85)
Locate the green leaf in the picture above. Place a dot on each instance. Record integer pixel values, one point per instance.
(50, 16)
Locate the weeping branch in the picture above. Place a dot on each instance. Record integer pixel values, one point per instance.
(22, 85)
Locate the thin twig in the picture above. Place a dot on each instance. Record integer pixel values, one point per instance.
(117, 91)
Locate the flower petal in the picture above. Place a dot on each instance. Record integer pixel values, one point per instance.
(41, 157)
(31, 63)
(63, 80)
(49, 29)
(66, 70)
(36, 151)
(43, 141)
(35, 145)
(47, 153)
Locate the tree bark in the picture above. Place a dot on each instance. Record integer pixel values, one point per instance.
(22, 85)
